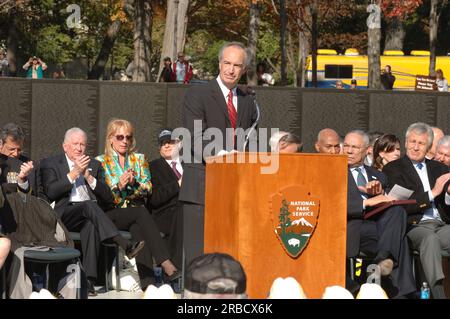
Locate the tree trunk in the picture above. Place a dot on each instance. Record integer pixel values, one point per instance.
(283, 23)
(373, 52)
(105, 51)
(435, 12)
(12, 43)
(142, 40)
(176, 10)
(395, 35)
(252, 77)
(314, 36)
(303, 49)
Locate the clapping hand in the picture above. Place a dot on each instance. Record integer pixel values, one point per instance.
(25, 170)
(81, 164)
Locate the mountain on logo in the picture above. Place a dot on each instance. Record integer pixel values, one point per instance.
(302, 222)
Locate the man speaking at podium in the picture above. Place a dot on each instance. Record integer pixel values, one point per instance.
(218, 105)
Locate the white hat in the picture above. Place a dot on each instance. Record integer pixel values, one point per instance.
(336, 292)
(163, 292)
(287, 288)
(371, 291)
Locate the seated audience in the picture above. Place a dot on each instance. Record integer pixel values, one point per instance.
(275, 139)
(428, 219)
(437, 135)
(75, 182)
(285, 142)
(18, 170)
(373, 136)
(167, 172)
(128, 177)
(443, 151)
(328, 142)
(383, 235)
(215, 276)
(386, 149)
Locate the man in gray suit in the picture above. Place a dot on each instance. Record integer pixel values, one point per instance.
(429, 218)
(222, 105)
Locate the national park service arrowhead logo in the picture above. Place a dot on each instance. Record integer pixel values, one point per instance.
(294, 215)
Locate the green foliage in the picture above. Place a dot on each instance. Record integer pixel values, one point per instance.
(54, 46)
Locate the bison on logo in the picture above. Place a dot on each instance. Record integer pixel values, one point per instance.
(294, 216)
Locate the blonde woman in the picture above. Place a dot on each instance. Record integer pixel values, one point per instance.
(128, 176)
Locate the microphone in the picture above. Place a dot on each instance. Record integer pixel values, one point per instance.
(251, 91)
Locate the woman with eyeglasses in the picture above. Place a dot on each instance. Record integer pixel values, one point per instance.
(127, 174)
(386, 149)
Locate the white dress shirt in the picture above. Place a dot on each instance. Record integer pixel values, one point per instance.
(430, 213)
(225, 92)
(74, 194)
(178, 166)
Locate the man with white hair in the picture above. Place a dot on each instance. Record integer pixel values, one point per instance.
(383, 235)
(429, 218)
(437, 135)
(443, 150)
(75, 182)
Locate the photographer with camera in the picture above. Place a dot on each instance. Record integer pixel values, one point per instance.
(387, 78)
(35, 67)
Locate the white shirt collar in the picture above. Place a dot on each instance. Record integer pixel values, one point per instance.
(69, 161)
(224, 89)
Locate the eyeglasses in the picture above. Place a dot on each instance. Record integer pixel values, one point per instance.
(121, 137)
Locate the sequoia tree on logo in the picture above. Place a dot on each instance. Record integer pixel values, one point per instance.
(295, 218)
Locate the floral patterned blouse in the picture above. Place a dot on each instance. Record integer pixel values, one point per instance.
(131, 195)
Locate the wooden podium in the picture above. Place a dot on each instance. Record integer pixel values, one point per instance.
(239, 218)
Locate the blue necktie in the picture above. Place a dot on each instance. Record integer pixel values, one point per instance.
(360, 179)
(419, 166)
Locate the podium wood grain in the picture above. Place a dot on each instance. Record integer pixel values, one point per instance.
(238, 220)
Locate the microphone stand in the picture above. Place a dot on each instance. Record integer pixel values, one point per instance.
(252, 128)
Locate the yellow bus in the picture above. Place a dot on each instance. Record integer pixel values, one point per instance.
(332, 67)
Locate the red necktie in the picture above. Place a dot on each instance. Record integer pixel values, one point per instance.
(174, 168)
(231, 110)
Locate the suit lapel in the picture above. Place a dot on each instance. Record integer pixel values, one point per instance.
(411, 171)
(220, 100)
(64, 165)
(431, 176)
(168, 168)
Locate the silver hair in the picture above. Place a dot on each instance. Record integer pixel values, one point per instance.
(420, 129)
(238, 45)
(364, 136)
(13, 131)
(444, 141)
(73, 130)
(275, 139)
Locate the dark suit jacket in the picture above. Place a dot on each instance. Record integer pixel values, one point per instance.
(10, 164)
(207, 104)
(355, 211)
(403, 173)
(165, 189)
(57, 187)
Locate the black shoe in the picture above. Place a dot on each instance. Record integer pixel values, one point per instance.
(91, 289)
(134, 249)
